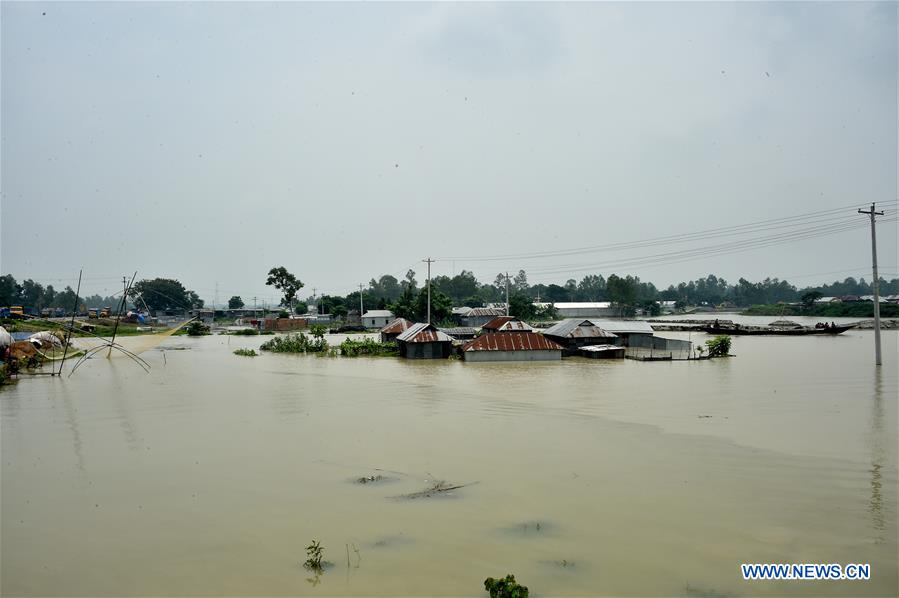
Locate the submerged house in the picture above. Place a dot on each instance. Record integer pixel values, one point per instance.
(424, 341)
(506, 324)
(512, 346)
(575, 333)
(394, 329)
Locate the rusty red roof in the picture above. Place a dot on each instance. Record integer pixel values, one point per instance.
(496, 322)
(424, 333)
(512, 341)
(397, 326)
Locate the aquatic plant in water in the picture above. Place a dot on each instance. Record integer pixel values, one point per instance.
(367, 346)
(505, 588)
(719, 346)
(315, 552)
(295, 343)
(245, 352)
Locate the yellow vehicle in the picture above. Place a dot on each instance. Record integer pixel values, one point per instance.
(93, 313)
(104, 313)
(16, 311)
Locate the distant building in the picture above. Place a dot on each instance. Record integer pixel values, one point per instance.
(377, 318)
(506, 324)
(478, 316)
(511, 346)
(582, 309)
(394, 329)
(575, 333)
(461, 333)
(424, 341)
(625, 330)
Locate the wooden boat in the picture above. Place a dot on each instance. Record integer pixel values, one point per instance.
(794, 330)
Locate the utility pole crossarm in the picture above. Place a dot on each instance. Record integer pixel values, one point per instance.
(876, 284)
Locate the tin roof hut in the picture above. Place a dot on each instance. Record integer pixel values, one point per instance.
(512, 346)
(424, 341)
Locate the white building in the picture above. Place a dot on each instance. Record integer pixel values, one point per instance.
(377, 318)
(583, 309)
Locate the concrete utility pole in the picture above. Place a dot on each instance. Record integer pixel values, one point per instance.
(361, 309)
(876, 283)
(507, 293)
(428, 261)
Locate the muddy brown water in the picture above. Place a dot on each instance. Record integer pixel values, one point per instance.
(211, 474)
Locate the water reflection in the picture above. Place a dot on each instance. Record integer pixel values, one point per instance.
(875, 504)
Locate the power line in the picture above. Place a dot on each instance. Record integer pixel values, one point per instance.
(822, 215)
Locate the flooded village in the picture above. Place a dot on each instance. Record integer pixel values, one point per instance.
(453, 299)
(390, 443)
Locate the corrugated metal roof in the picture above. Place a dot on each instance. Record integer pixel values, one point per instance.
(512, 341)
(460, 331)
(496, 322)
(578, 328)
(600, 348)
(485, 311)
(461, 311)
(620, 327)
(423, 332)
(378, 313)
(397, 326)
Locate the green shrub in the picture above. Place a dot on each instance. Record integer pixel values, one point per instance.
(367, 346)
(197, 328)
(245, 352)
(719, 346)
(505, 588)
(295, 343)
(246, 332)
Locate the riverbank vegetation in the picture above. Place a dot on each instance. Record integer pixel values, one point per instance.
(854, 309)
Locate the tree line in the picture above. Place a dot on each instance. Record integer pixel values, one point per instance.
(407, 297)
(155, 294)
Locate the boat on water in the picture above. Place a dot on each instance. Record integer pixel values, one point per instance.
(776, 328)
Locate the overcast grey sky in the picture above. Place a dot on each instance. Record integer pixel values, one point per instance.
(210, 141)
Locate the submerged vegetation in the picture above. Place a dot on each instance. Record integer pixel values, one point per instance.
(506, 587)
(315, 553)
(245, 352)
(367, 346)
(197, 328)
(295, 343)
(719, 346)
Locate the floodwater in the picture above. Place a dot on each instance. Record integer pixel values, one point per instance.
(212, 473)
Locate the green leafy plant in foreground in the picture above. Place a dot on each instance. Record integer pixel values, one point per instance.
(245, 352)
(505, 588)
(314, 552)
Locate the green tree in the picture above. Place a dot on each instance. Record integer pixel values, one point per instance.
(285, 282)
(521, 306)
(808, 299)
(164, 294)
(9, 290)
(441, 306)
(622, 292)
(235, 302)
